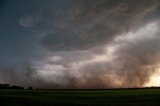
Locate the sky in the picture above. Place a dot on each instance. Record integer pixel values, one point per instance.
(80, 43)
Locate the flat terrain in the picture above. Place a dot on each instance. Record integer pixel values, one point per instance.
(118, 97)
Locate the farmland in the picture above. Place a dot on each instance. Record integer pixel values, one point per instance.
(112, 97)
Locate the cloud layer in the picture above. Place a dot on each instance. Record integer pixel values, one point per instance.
(94, 23)
(130, 59)
(91, 44)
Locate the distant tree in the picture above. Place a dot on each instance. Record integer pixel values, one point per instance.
(30, 88)
(16, 87)
(8, 86)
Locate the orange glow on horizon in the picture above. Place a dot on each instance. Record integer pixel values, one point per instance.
(154, 80)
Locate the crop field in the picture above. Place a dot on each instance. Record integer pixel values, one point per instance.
(118, 97)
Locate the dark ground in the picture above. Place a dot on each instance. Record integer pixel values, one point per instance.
(114, 97)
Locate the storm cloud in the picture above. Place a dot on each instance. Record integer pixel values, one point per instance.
(87, 24)
(89, 44)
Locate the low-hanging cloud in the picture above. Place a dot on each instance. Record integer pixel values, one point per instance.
(130, 59)
(93, 44)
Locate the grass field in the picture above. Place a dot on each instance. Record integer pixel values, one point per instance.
(124, 97)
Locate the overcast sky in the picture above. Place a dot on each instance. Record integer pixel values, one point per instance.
(79, 43)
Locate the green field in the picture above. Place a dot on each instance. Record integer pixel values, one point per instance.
(127, 97)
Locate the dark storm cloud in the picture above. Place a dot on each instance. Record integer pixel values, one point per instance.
(86, 44)
(90, 24)
(87, 23)
(135, 58)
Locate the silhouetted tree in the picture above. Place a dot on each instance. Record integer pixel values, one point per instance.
(30, 88)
